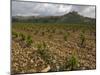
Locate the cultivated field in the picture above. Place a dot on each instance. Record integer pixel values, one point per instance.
(45, 47)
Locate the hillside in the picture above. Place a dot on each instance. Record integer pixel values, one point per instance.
(71, 17)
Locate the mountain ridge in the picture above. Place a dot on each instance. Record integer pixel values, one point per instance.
(71, 17)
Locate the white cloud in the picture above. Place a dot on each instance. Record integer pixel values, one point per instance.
(49, 9)
(89, 12)
(64, 8)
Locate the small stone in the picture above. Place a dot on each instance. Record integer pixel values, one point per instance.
(35, 65)
(83, 68)
(54, 61)
(46, 69)
(58, 67)
(32, 61)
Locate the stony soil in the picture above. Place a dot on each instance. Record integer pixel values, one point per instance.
(55, 58)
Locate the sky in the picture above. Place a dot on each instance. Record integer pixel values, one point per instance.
(20, 8)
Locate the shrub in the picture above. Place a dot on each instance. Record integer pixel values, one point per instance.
(53, 31)
(44, 52)
(82, 40)
(72, 63)
(22, 36)
(65, 37)
(83, 31)
(14, 35)
(42, 47)
(36, 32)
(50, 36)
(47, 30)
(29, 41)
(42, 33)
(60, 32)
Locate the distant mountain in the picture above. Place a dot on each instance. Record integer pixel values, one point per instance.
(74, 17)
(71, 17)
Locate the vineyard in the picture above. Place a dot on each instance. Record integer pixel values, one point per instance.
(52, 47)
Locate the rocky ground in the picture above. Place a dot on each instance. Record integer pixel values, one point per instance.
(50, 52)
